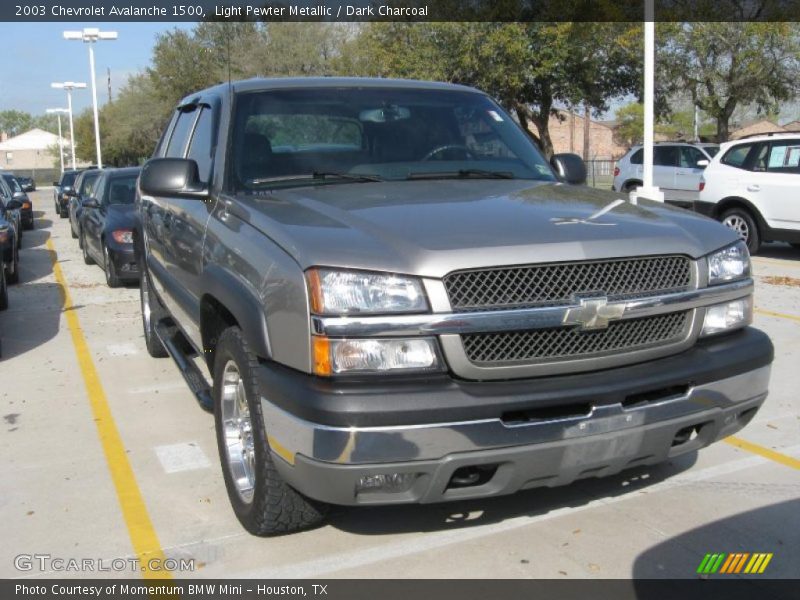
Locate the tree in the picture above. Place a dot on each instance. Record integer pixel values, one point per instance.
(674, 125)
(726, 65)
(14, 122)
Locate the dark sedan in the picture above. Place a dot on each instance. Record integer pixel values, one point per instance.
(9, 249)
(107, 225)
(27, 183)
(83, 189)
(5, 227)
(62, 188)
(26, 206)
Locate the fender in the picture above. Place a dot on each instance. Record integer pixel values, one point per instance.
(723, 205)
(242, 303)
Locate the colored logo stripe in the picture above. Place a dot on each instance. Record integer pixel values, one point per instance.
(734, 563)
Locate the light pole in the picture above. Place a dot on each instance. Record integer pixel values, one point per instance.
(89, 36)
(69, 86)
(57, 112)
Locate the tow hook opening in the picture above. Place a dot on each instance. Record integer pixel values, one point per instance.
(471, 476)
(688, 434)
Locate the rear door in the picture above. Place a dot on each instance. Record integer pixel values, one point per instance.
(776, 182)
(665, 163)
(688, 173)
(92, 219)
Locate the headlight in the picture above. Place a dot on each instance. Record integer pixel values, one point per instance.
(728, 316)
(729, 264)
(335, 356)
(347, 292)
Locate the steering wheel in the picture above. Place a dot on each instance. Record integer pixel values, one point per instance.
(439, 149)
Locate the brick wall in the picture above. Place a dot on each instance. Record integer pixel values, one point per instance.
(566, 131)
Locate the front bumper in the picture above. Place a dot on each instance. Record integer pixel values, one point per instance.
(543, 435)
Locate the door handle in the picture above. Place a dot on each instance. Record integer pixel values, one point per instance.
(753, 187)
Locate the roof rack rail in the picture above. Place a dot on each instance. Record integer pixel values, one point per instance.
(767, 134)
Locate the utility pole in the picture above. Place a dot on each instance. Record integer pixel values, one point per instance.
(108, 70)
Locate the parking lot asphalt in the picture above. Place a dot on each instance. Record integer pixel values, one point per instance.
(107, 455)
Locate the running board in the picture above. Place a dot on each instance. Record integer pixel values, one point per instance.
(169, 336)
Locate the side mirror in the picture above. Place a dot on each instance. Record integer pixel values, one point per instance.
(13, 204)
(570, 168)
(20, 196)
(702, 163)
(172, 177)
(91, 203)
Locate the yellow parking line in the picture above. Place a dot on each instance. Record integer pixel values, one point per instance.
(771, 313)
(783, 459)
(140, 529)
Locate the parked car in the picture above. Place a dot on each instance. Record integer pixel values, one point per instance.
(677, 167)
(753, 187)
(61, 190)
(107, 224)
(399, 300)
(26, 206)
(83, 188)
(9, 249)
(27, 183)
(5, 229)
(10, 210)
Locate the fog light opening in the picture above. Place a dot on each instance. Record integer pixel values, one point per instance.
(471, 476)
(388, 483)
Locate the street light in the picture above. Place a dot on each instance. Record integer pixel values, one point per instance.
(59, 112)
(89, 36)
(69, 86)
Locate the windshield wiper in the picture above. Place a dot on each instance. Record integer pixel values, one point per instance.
(315, 176)
(462, 173)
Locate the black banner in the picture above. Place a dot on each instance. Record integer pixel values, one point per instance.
(397, 10)
(463, 589)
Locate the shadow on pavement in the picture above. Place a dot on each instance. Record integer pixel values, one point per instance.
(32, 318)
(680, 556)
(38, 236)
(780, 251)
(381, 520)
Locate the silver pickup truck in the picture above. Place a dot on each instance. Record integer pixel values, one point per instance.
(398, 299)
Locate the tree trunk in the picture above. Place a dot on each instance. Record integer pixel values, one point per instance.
(722, 129)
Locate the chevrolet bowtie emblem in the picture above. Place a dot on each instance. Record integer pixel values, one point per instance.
(593, 313)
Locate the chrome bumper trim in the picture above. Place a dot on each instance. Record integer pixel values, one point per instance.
(523, 319)
(364, 445)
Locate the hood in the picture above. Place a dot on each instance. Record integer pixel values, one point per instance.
(430, 228)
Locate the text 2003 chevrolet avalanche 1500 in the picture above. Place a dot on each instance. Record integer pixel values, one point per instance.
(399, 300)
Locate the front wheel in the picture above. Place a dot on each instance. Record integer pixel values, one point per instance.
(743, 223)
(152, 313)
(262, 501)
(85, 250)
(13, 275)
(3, 290)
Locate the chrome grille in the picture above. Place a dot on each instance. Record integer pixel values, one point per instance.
(490, 349)
(554, 284)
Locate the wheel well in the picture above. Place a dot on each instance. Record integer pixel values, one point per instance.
(214, 319)
(631, 182)
(728, 203)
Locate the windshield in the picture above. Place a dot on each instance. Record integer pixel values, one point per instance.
(121, 190)
(12, 183)
(711, 150)
(87, 184)
(288, 138)
(67, 179)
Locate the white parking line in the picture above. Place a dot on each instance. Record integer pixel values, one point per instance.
(175, 458)
(159, 387)
(430, 541)
(126, 349)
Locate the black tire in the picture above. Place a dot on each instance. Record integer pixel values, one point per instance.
(629, 186)
(273, 507)
(72, 232)
(152, 312)
(795, 246)
(85, 251)
(13, 277)
(743, 223)
(3, 290)
(112, 279)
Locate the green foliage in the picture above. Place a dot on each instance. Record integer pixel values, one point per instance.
(676, 125)
(14, 122)
(727, 65)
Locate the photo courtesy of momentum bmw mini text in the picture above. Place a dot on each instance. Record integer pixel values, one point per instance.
(405, 298)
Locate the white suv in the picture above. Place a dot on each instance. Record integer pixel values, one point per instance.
(677, 167)
(753, 186)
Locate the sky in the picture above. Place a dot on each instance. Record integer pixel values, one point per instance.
(36, 54)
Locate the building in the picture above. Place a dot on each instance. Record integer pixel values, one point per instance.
(31, 151)
(566, 133)
(758, 127)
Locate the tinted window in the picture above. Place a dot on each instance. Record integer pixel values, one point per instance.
(180, 135)
(68, 178)
(87, 183)
(282, 137)
(690, 156)
(99, 184)
(121, 190)
(200, 148)
(736, 156)
(711, 150)
(666, 156)
(12, 183)
(638, 157)
(784, 157)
